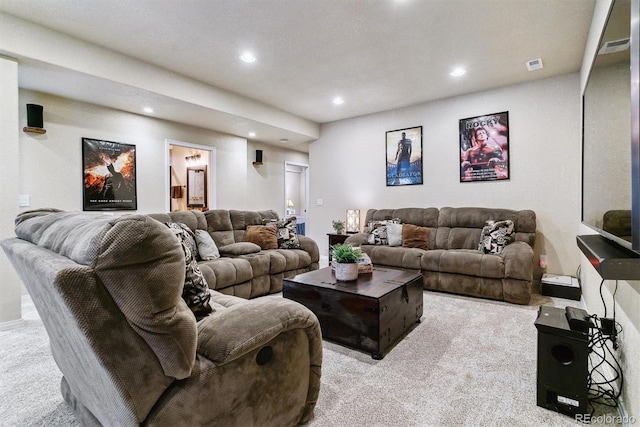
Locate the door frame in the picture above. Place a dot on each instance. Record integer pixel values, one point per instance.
(305, 167)
(211, 188)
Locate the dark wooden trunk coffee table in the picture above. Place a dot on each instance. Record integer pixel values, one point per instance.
(371, 313)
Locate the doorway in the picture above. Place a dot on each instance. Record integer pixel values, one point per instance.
(190, 179)
(296, 193)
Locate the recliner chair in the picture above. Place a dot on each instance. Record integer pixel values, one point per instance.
(108, 291)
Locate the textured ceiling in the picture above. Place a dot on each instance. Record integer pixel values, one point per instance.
(377, 54)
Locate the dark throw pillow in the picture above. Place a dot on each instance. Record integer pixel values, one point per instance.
(414, 236)
(196, 290)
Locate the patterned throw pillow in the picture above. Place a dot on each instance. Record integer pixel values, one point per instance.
(196, 290)
(495, 236)
(287, 233)
(378, 231)
(263, 236)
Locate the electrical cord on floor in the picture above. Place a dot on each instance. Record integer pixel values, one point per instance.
(603, 391)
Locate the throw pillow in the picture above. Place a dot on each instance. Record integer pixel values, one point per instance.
(240, 248)
(263, 236)
(495, 236)
(196, 290)
(287, 233)
(394, 234)
(207, 248)
(378, 231)
(414, 236)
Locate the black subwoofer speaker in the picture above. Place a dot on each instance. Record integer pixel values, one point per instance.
(562, 363)
(258, 156)
(34, 116)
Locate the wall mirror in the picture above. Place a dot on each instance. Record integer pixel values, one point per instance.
(196, 186)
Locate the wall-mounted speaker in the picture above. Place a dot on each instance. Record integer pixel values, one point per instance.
(258, 156)
(34, 116)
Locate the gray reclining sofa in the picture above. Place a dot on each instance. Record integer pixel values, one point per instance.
(453, 263)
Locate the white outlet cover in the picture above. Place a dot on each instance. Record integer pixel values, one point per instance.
(23, 200)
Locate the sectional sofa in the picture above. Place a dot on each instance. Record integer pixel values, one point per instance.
(452, 261)
(244, 269)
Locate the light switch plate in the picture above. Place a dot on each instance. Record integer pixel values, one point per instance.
(23, 200)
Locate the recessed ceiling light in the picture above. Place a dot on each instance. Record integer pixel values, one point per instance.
(148, 110)
(284, 140)
(252, 134)
(457, 72)
(338, 100)
(248, 57)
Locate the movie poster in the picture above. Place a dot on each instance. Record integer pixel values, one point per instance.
(109, 175)
(404, 156)
(484, 148)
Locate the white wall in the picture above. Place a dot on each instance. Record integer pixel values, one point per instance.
(544, 151)
(51, 164)
(267, 180)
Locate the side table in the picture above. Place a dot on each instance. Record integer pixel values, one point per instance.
(335, 238)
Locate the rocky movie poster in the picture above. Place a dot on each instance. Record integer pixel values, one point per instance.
(109, 175)
(484, 148)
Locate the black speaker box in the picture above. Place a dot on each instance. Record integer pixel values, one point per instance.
(562, 363)
(34, 116)
(258, 156)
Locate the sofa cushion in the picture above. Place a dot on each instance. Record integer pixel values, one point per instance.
(495, 236)
(264, 236)
(207, 248)
(196, 290)
(240, 248)
(468, 262)
(414, 236)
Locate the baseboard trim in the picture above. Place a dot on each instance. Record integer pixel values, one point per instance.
(11, 324)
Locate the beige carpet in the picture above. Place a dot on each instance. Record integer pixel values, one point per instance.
(470, 362)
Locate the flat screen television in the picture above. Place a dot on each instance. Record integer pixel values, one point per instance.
(610, 137)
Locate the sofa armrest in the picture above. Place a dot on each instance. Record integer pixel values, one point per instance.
(228, 334)
(310, 246)
(518, 261)
(357, 239)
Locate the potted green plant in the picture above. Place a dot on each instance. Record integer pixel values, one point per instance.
(345, 257)
(338, 226)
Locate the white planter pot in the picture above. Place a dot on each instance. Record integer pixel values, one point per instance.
(346, 271)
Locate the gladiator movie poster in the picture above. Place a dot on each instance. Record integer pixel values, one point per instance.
(109, 175)
(484, 148)
(404, 156)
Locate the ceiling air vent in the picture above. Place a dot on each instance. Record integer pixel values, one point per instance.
(534, 64)
(614, 46)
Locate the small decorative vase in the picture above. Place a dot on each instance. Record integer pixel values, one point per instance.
(346, 272)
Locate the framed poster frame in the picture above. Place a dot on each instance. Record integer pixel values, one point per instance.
(109, 175)
(404, 156)
(484, 148)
